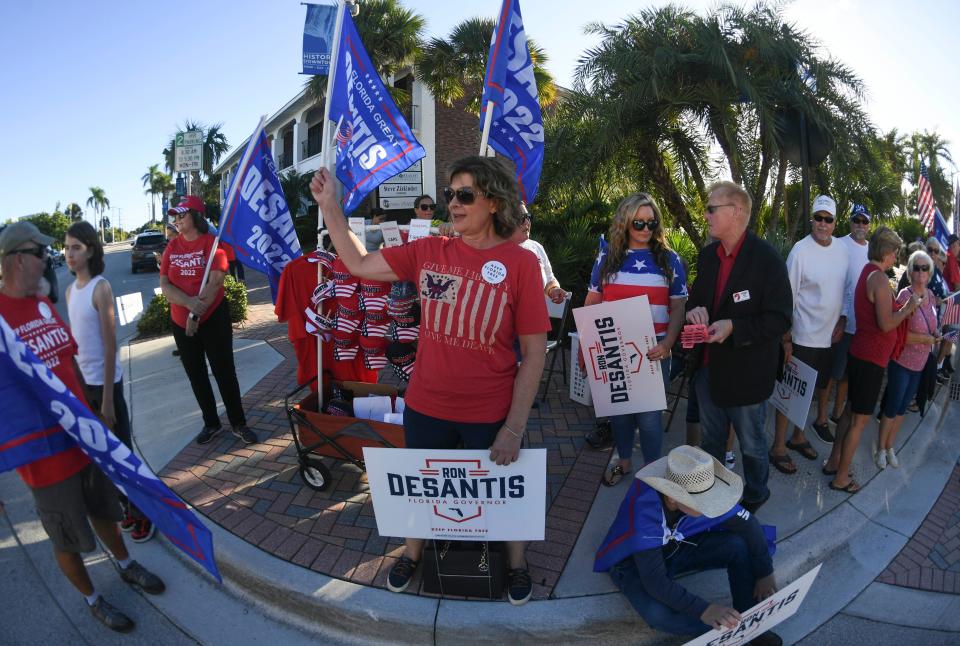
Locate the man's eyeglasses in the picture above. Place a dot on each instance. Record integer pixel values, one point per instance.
(713, 208)
(427, 207)
(921, 268)
(640, 225)
(860, 220)
(36, 252)
(933, 250)
(823, 218)
(465, 195)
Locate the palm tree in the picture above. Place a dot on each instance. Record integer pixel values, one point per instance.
(453, 67)
(214, 143)
(296, 189)
(934, 150)
(149, 180)
(99, 203)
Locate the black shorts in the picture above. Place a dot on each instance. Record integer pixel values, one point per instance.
(820, 359)
(63, 508)
(865, 380)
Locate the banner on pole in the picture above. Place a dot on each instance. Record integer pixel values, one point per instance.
(258, 225)
(422, 493)
(318, 38)
(763, 616)
(615, 338)
(793, 392)
(373, 140)
(516, 129)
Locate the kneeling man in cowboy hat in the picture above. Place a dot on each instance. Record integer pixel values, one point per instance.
(681, 515)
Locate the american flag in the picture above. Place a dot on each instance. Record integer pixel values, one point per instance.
(952, 314)
(925, 204)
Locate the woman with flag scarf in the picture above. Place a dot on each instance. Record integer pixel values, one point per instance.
(478, 292)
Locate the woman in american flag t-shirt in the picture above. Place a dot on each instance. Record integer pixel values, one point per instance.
(637, 261)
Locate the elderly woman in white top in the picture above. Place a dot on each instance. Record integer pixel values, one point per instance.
(551, 287)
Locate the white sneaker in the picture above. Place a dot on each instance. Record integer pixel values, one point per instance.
(881, 459)
(730, 459)
(892, 459)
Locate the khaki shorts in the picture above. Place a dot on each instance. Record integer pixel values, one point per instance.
(63, 508)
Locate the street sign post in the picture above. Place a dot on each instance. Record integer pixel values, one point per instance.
(188, 151)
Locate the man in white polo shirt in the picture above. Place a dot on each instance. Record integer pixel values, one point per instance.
(856, 245)
(817, 266)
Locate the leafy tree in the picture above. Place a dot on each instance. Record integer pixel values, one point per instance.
(933, 149)
(73, 211)
(296, 189)
(53, 224)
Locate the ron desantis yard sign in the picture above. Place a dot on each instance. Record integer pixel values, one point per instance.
(424, 493)
(614, 340)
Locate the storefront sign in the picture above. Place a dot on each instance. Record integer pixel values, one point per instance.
(421, 493)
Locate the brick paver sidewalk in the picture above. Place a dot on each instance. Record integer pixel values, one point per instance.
(256, 493)
(931, 558)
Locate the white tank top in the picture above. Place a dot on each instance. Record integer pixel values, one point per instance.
(85, 326)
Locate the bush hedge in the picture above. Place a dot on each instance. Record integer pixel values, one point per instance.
(155, 319)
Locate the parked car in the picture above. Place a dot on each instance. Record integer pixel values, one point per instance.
(55, 255)
(145, 247)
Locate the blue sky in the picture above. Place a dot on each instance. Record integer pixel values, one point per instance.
(93, 91)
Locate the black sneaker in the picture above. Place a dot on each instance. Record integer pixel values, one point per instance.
(601, 437)
(141, 576)
(110, 616)
(208, 433)
(519, 586)
(244, 434)
(401, 573)
(824, 433)
(144, 531)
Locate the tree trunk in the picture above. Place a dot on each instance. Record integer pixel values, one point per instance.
(778, 193)
(728, 145)
(760, 188)
(652, 159)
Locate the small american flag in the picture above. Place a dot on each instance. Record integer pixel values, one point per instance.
(925, 204)
(952, 314)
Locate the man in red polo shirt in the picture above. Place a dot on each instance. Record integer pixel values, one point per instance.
(67, 488)
(742, 292)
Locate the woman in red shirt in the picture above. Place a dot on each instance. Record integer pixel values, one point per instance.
(478, 292)
(201, 319)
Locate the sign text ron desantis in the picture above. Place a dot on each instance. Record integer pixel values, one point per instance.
(614, 340)
(422, 493)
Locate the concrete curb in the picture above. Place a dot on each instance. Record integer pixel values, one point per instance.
(861, 536)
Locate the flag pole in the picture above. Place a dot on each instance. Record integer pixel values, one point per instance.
(326, 161)
(485, 136)
(231, 197)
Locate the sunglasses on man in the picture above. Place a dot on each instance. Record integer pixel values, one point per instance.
(823, 218)
(465, 195)
(36, 252)
(640, 225)
(860, 220)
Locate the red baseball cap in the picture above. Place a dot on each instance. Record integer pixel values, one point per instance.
(189, 203)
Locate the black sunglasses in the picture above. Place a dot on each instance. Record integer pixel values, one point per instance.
(640, 225)
(823, 218)
(36, 252)
(921, 268)
(860, 220)
(427, 207)
(465, 195)
(713, 208)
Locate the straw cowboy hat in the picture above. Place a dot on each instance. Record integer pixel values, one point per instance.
(694, 479)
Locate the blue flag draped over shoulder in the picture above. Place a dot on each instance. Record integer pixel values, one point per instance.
(374, 142)
(516, 129)
(37, 405)
(258, 225)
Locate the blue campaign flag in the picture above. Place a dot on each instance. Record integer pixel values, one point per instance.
(258, 224)
(940, 231)
(318, 38)
(516, 129)
(374, 142)
(42, 418)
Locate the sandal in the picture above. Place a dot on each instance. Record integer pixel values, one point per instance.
(804, 449)
(781, 462)
(828, 472)
(613, 476)
(852, 487)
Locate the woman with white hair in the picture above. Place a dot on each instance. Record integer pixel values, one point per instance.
(905, 369)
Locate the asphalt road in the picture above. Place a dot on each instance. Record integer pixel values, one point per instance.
(123, 281)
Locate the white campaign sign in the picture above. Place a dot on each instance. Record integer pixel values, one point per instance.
(793, 394)
(418, 229)
(422, 493)
(391, 234)
(359, 228)
(763, 616)
(129, 307)
(615, 338)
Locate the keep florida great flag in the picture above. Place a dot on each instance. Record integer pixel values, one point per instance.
(257, 223)
(37, 404)
(374, 143)
(516, 129)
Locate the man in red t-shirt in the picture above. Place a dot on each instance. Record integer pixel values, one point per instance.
(67, 488)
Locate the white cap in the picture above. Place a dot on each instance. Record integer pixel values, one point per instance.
(824, 203)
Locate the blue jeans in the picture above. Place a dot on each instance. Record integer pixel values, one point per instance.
(713, 550)
(748, 423)
(650, 424)
(902, 385)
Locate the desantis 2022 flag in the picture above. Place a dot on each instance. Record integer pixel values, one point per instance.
(374, 143)
(516, 129)
(37, 405)
(258, 225)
